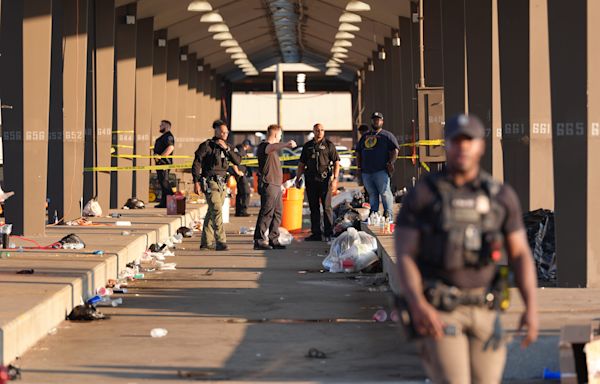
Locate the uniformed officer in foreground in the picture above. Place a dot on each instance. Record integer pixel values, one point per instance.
(320, 165)
(453, 229)
(211, 161)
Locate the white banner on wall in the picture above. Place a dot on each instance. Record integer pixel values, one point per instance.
(253, 112)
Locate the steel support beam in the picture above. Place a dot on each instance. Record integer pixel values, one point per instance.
(453, 48)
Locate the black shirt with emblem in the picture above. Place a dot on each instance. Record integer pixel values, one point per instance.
(163, 142)
(211, 159)
(319, 159)
(415, 214)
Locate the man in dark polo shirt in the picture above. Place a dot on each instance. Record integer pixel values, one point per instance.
(270, 178)
(320, 165)
(453, 230)
(376, 154)
(164, 146)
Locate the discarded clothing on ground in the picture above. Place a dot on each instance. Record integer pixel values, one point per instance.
(347, 217)
(134, 203)
(185, 232)
(540, 234)
(71, 241)
(352, 251)
(86, 313)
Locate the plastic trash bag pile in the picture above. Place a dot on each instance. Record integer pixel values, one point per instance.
(540, 234)
(352, 251)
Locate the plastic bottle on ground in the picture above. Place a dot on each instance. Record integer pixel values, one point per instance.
(158, 332)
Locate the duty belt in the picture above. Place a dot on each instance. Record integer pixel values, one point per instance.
(447, 298)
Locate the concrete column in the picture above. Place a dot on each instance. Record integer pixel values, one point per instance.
(525, 103)
(25, 77)
(432, 25)
(496, 124)
(67, 118)
(478, 27)
(575, 88)
(143, 103)
(104, 63)
(159, 82)
(125, 58)
(181, 130)
(191, 108)
(453, 48)
(172, 84)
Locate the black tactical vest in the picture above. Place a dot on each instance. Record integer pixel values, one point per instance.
(463, 228)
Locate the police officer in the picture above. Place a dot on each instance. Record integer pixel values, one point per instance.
(320, 165)
(376, 154)
(164, 146)
(209, 169)
(453, 229)
(242, 198)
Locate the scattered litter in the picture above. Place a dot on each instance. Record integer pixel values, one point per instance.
(550, 375)
(25, 272)
(540, 234)
(82, 221)
(246, 231)
(380, 316)
(352, 251)
(10, 372)
(285, 237)
(395, 316)
(92, 208)
(86, 313)
(122, 223)
(185, 232)
(158, 332)
(125, 233)
(108, 302)
(53, 331)
(208, 272)
(103, 291)
(372, 280)
(93, 300)
(314, 353)
(167, 267)
(115, 215)
(134, 203)
(98, 252)
(71, 241)
(120, 290)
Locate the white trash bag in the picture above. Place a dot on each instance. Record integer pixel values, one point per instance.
(352, 251)
(285, 237)
(92, 208)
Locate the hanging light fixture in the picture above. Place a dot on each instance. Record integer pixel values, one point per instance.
(199, 6)
(339, 50)
(396, 42)
(241, 61)
(348, 17)
(342, 43)
(347, 27)
(340, 56)
(239, 55)
(332, 64)
(370, 66)
(222, 36)
(211, 17)
(344, 35)
(220, 27)
(235, 49)
(229, 43)
(381, 54)
(358, 6)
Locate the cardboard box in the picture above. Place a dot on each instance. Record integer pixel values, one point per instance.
(176, 204)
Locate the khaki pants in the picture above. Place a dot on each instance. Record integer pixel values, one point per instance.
(213, 222)
(470, 356)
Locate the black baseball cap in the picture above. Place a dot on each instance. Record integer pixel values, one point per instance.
(217, 123)
(247, 142)
(377, 115)
(470, 126)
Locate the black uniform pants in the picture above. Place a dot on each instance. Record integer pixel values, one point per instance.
(319, 194)
(165, 186)
(269, 217)
(242, 199)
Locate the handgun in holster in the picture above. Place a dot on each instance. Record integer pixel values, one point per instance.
(405, 318)
(204, 185)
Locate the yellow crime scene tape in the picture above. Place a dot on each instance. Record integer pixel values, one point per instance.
(152, 156)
